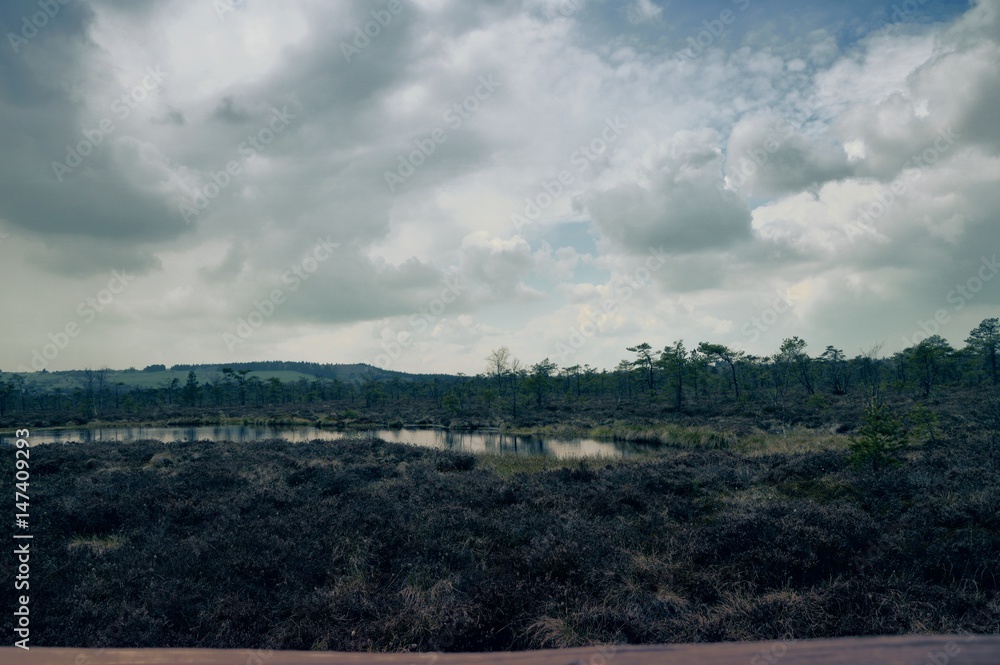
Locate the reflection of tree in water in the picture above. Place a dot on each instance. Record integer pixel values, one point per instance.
(473, 442)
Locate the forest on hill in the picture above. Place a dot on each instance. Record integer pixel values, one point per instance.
(708, 377)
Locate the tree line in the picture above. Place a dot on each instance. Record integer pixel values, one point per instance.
(676, 375)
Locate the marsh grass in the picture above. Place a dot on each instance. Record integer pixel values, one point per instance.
(161, 460)
(790, 441)
(370, 546)
(668, 434)
(505, 465)
(96, 545)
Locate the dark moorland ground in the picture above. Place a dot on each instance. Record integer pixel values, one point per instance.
(363, 545)
(562, 415)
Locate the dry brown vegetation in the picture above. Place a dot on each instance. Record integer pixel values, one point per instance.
(361, 546)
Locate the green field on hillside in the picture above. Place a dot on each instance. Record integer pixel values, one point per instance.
(70, 380)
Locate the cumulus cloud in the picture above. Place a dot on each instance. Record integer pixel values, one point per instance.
(642, 11)
(677, 203)
(829, 153)
(766, 156)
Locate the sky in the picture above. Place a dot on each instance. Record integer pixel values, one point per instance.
(413, 183)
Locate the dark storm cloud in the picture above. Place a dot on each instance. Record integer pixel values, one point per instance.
(358, 99)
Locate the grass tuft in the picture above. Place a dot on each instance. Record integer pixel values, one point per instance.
(95, 544)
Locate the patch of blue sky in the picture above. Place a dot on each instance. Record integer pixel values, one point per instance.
(756, 21)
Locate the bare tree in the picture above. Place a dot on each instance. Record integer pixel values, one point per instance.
(871, 370)
(498, 365)
(623, 372)
(89, 382)
(101, 383)
(371, 387)
(516, 374)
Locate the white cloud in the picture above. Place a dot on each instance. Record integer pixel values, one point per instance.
(840, 125)
(643, 11)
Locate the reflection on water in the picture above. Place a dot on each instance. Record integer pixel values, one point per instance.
(474, 442)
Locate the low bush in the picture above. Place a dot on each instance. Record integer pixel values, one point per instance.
(370, 546)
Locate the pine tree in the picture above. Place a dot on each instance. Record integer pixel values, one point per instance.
(880, 438)
(191, 390)
(985, 341)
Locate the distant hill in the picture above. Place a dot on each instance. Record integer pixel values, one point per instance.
(347, 373)
(154, 376)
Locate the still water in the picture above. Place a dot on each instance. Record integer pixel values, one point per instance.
(473, 442)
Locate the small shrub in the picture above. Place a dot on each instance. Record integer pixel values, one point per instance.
(456, 462)
(819, 403)
(880, 438)
(924, 421)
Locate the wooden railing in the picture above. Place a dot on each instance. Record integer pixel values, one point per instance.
(902, 650)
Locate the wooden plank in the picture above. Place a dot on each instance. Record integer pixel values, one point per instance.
(900, 650)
